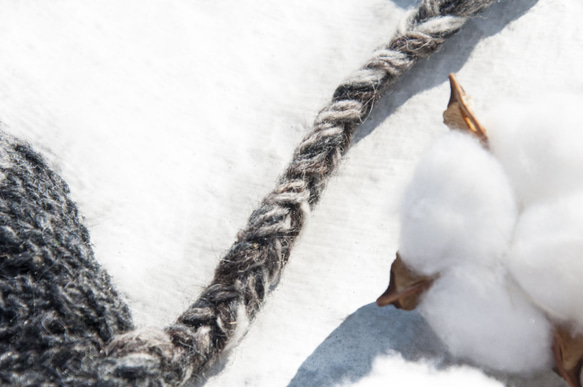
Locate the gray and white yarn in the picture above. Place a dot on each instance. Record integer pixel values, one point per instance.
(61, 323)
(58, 309)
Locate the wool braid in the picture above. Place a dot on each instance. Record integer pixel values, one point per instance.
(254, 263)
(58, 309)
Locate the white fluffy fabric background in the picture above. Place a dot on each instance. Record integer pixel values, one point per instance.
(170, 119)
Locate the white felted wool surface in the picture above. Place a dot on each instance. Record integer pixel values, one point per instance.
(170, 119)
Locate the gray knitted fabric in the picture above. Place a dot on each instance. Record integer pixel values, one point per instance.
(58, 308)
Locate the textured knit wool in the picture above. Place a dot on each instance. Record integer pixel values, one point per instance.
(57, 307)
(245, 275)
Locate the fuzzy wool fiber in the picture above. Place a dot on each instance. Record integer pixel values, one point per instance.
(58, 309)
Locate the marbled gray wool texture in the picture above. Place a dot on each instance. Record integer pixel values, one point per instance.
(57, 307)
(61, 323)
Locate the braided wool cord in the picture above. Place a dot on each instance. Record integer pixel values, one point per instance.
(80, 313)
(255, 261)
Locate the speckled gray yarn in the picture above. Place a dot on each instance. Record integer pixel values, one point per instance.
(92, 313)
(255, 261)
(57, 307)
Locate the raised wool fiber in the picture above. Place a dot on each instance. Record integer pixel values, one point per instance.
(459, 207)
(546, 257)
(482, 318)
(539, 143)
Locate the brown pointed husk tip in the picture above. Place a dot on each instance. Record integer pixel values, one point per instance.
(405, 287)
(568, 354)
(460, 115)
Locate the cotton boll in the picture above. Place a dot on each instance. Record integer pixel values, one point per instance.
(400, 372)
(481, 318)
(458, 207)
(539, 142)
(546, 257)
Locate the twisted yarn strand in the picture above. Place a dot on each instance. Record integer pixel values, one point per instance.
(254, 263)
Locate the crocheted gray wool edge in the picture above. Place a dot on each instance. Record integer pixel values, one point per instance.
(61, 322)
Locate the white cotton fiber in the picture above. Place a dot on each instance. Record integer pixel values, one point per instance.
(503, 229)
(547, 257)
(392, 370)
(540, 144)
(480, 318)
(459, 207)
